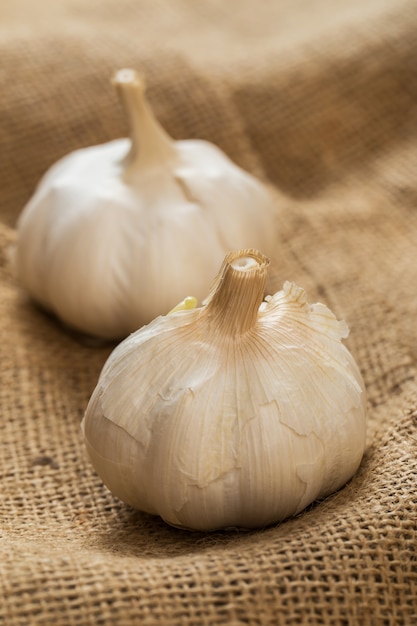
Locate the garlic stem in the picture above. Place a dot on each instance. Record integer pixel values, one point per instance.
(238, 291)
(150, 144)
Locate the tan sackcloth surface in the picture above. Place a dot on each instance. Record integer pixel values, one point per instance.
(320, 98)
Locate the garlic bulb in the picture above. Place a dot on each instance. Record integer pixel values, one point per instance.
(238, 413)
(115, 234)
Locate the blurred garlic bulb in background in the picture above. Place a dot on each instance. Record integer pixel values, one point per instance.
(238, 413)
(116, 234)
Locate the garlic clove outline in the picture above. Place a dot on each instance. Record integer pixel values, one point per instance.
(115, 234)
(238, 413)
(190, 302)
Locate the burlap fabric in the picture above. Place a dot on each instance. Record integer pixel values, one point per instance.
(320, 98)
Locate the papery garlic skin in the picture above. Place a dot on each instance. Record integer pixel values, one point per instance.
(232, 414)
(116, 234)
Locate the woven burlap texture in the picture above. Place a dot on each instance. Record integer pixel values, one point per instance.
(322, 101)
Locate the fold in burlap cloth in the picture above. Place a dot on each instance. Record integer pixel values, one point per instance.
(321, 98)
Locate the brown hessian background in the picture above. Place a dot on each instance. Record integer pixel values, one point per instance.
(319, 98)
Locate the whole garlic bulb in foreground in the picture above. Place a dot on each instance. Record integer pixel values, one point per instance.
(236, 414)
(115, 234)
